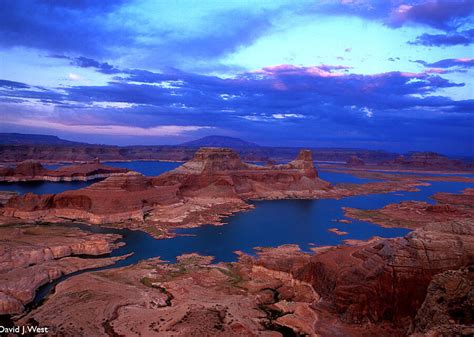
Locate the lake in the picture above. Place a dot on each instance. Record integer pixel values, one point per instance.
(270, 223)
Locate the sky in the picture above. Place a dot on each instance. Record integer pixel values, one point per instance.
(389, 74)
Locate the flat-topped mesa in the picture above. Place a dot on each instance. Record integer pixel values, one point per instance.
(26, 168)
(212, 159)
(219, 172)
(34, 171)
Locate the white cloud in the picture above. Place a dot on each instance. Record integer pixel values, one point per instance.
(75, 77)
(369, 113)
(115, 130)
(283, 116)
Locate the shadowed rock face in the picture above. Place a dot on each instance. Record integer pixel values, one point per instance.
(387, 279)
(448, 309)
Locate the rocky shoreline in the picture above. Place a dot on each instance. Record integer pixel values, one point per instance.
(32, 256)
(34, 171)
(362, 288)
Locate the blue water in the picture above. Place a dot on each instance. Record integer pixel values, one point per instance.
(147, 168)
(270, 223)
(44, 187)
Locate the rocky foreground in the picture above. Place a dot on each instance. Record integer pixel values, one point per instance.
(32, 256)
(33, 171)
(384, 287)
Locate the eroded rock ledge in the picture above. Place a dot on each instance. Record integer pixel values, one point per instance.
(365, 289)
(32, 256)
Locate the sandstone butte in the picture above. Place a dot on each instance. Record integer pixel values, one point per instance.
(214, 184)
(33, 171)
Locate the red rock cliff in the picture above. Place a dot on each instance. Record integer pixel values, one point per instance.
(220, 172)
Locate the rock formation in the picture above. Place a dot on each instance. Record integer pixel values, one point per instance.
(33, 171)
(448, 306)
(220, 172)
(416, 214)
(215, 183)
(372, 288)
(355, 161)
(115, 199)
(427, 160)
(33, 256)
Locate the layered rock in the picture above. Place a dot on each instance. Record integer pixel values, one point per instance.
(355, 161)
(33, 256)
(448, 306)
(33, 171)
(426, 160)
(416, 214)
(118, 198)
(220, 172)
(387, 279)
(214, 184)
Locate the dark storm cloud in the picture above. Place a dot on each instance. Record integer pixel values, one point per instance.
(13, 84)
(449, 63)
(465, 38)
(449, 16)
(85, 62)
(440, 14)
(64, 26)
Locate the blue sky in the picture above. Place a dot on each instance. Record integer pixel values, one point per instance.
(394, 75)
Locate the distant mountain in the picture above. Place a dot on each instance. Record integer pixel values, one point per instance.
(220, 141)
(29, 139)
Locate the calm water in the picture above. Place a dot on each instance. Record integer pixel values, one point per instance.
(270, 223)
(148, 168)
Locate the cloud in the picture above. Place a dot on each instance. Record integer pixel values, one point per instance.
(62, 26)
(465, 38)
(115, 130)
(281, 102)
(440, 14)
(85, 62)
(287, 115)
(466, 62)
(369, 113)
(75, 77)
(450, 16)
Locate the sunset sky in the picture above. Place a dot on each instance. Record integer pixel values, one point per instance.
(393, 75)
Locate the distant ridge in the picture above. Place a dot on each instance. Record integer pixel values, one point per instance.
(220, 141)
(33, 139)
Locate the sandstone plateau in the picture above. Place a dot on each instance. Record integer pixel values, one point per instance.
(33, 171)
